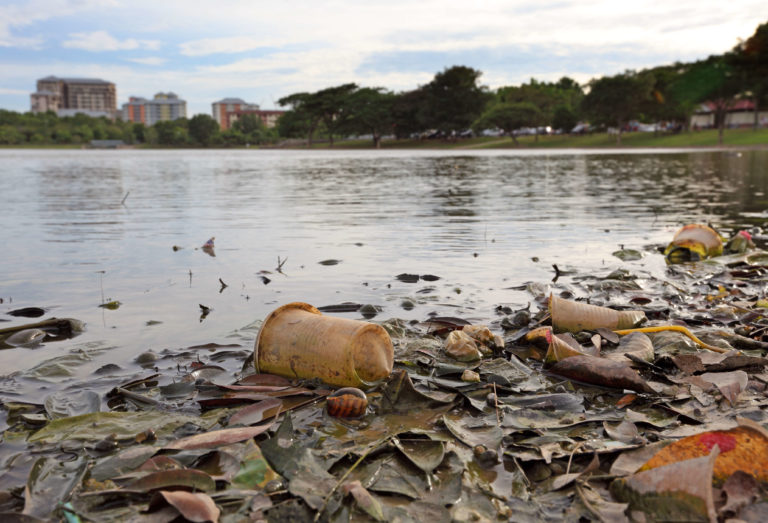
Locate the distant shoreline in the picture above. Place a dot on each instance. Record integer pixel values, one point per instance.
(705, 140)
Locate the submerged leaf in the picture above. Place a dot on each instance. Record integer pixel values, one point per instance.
(424, 453)
(186, 478)
(50, 482)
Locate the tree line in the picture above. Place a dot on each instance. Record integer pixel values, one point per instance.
(451, 105)
(199, 131)
(454, 102)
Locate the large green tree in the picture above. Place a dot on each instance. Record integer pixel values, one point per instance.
(750, 61)
(454, 99)
(333, 105)
(371, 112)
(302, 118)
(203, 129)
(508, 117)
(615, 100)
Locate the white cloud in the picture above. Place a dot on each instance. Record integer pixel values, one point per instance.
(13, 91)
(103, 41)
(227, 44)
(149, 60)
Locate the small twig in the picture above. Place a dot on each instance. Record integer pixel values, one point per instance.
(125, 198)
(280, 264)
(577, 447)
(341, 480)
(223, 285)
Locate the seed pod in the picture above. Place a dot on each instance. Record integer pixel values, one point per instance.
(348, 402)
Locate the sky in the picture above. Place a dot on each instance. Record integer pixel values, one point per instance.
(261, 51)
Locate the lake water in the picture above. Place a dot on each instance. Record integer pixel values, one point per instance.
(482, 222)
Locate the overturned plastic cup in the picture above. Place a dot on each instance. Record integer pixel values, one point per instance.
(298, 341)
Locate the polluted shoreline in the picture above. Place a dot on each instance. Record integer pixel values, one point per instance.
(554, 411)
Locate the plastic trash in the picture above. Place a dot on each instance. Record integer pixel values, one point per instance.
(694, 242)
(298, 341)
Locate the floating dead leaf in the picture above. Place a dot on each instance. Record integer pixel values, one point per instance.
(122, 462)
(742, 448)
(194, 506)
(662, 495)
(217, 438)
(600, 371)
(186, 478)
(574, 316)
(269, 380)
(254, 471)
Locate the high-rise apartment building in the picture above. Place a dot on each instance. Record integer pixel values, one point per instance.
(69, 96)
(222, 108)
(164, 106)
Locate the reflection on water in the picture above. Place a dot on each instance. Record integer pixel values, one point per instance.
(479, 220)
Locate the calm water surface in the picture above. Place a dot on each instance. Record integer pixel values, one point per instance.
(481, 221)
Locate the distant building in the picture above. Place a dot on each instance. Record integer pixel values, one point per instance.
(740, 114)
(163, 107)
(67, 96)
(227, 111)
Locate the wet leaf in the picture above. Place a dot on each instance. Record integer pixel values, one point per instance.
(257, 412)
(662, 495)
(559, 349)
(504, 372)
(742, 448)
(630, 461)
(50, 482)
(476, 434)
(423, 453)
(739, 490)
(186, 478)
(626, 432)
(217, 438)
(561, 402)
(68, 403)
(99, 425)
(730, 384)
(220, 465)
(369, 504)
(628, 255)
(254, 471)
(330, 262)
(636, 344)
(122, 462)
(399, 395)
(268, 380)
(600, 371)
(194, 506)
(111, 305)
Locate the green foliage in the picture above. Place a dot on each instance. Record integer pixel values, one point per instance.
(509, 116)
(615, 100)
(453, 100)
(203, 129)
(371, 112)
(564, 118)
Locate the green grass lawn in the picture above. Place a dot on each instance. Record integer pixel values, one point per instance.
(706, 138)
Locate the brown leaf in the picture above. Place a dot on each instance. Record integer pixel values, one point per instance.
(217, 438)
(740, 490)
(600, 371)
(196, 507)
(364, 500)
(187, 478)
(256, 412)
(662, 495)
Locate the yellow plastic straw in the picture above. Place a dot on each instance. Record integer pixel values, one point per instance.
(675, 328)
